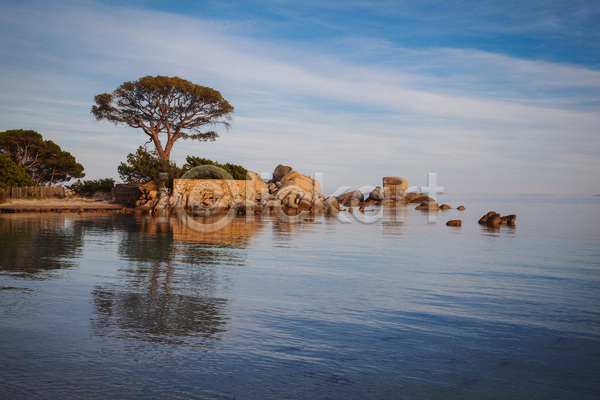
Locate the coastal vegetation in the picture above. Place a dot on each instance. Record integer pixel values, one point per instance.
(222, 171)
(88, 188)
(145, 165)
(12, 174)
(42, 160)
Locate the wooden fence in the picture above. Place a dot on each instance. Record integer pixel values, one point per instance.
(33, 191)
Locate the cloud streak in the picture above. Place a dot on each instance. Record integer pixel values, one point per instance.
(320, 109)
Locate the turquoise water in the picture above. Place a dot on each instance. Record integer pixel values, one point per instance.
(114, 306)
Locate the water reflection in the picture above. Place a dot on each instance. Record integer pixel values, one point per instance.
(167, 286)
(158, 316)
(394, 221)
(33, 245)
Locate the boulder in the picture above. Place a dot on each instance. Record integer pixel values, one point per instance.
(461, 208)
(395, 187)
(331, 204)
(494, 220)
(376, 195)
(295, 190)
(510, 219)
(280, 172)
(304, 182)
(445, 207)
(417, 198)
(484, 219)
(351, 198)
(454, 222)
(258, 185)
(428, 205)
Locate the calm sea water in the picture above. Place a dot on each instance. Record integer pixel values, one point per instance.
(113, 306)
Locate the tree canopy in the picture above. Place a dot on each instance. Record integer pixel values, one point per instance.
(167, 107)
(43, 160)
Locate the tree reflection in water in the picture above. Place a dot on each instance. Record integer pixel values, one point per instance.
(168, 285)
(33, 245)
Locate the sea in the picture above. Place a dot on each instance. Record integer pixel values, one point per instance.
(389, 304)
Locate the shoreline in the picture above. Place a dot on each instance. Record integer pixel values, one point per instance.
(68, 204)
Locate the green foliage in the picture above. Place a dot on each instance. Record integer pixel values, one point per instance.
(13, 175)
(44, 160)
(90, 187)
(169, 107)
(58, 169)
(219, 171)
(144, 166)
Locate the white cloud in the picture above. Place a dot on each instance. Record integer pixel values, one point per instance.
(462, 111)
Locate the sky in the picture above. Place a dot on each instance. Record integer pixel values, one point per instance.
(496, 97)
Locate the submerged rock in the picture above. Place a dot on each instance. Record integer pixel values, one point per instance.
(454, 222)
(493, 219)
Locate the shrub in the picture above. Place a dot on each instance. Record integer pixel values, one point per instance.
(218, 170)
(145, 166)
(13, 175)
(88, 188)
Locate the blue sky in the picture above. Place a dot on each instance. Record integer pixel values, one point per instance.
(496, 97)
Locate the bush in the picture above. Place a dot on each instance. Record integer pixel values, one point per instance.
(218, 170)
(13, 175)
(145, 166)
(88, 188)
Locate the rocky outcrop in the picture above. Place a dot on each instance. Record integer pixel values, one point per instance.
(493, 219)
(287, 191)
(454, 222)
(351, 199)
(149, 196)
(293, 191)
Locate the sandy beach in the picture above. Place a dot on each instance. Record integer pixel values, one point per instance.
(72, 203)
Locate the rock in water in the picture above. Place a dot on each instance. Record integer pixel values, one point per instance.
(510, 219)
(395, 188)
(331, 204)
(351, 198)
(377, 194)
(454, 222)
(494, 219)
(484, 219)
